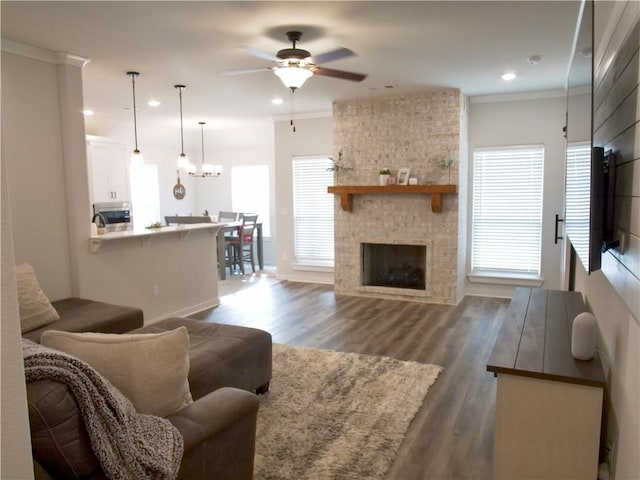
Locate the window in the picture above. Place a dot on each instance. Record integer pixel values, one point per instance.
(250, 192)
(145, 194)
(506, 234)
(577, 196)
(313, 211)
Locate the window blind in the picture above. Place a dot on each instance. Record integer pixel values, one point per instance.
(577, 194)
(313, 210)
(250, 192)
(507, 210)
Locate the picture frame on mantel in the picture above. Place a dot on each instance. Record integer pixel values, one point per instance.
(403, 176)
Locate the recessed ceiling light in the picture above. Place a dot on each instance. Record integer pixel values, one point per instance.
(88, 112)
(154, 103)
(276, 101)
(534, 59)
(508, 76)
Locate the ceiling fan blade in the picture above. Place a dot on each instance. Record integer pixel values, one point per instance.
(332, 55)
(246, 70)
(329, 72)
(260, 54)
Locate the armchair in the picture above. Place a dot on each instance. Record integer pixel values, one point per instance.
(218, 431)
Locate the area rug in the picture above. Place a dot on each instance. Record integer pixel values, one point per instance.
(332, 415)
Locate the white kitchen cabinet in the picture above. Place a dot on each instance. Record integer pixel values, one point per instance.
(108, 171)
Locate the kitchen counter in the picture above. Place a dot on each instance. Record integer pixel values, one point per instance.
(146, 235)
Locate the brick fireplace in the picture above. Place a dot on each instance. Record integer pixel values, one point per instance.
(415, 131)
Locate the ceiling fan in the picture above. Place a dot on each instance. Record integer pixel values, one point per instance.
(295, 65)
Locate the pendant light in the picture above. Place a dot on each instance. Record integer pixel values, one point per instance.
(183, 161)
(208, 170)
(136, 156)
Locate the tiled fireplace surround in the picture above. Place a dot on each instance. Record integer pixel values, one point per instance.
(415, 131)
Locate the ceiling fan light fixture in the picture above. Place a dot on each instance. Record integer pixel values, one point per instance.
(293, 76)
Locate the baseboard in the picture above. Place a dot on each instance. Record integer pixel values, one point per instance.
(185, 312)
(307, 277)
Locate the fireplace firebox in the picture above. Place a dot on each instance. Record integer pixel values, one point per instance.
(396, 266)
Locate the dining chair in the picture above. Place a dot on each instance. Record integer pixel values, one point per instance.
(186, 219)
(227, 217)
(237, 255)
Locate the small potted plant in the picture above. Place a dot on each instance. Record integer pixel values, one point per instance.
(447, 163)
(339, 165)
(385, 174)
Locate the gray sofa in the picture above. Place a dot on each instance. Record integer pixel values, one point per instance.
(83, 315)
(227, 364)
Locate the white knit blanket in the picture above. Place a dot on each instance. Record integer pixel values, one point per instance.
(128, 445)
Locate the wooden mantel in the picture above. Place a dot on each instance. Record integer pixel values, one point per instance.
(346, 193)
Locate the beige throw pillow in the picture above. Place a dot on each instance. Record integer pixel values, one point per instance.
(35, 309)
(150, 369)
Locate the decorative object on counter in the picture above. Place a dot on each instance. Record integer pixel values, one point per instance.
(207, 170)
(154, 225)
(583, 336)
(214, 218)
(385, 173)
(178, 189)
(413, 181)
(403, 176)
(101, 226)
(183, 160)
(136, 156)
(447, 163)
(338, 166)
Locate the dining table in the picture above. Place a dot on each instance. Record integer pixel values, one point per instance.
(227, 227)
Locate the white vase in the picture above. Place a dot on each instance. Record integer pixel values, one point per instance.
(384, 179)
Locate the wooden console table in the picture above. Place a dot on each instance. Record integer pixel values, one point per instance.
(347, 192)
(548, 405)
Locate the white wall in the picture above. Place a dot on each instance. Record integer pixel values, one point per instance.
(313, 136)
(15, 450)
(32, 149)
(613, 293)
(619, 346)
(513, 120)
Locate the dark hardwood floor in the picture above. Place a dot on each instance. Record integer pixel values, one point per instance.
(452, 434)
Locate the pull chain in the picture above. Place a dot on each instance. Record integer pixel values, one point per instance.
(292, 122)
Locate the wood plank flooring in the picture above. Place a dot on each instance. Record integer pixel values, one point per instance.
(451, 437)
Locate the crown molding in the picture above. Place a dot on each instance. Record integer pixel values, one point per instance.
(301, 116)
(514, 97)
(37, 53)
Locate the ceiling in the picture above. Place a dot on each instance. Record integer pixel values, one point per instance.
(402, 46)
